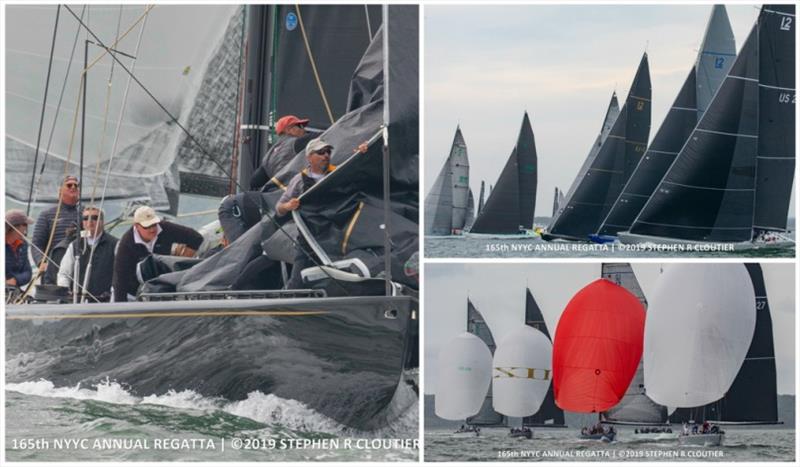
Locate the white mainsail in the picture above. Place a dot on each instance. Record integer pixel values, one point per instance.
(465, 373)
(699, 326)
(522, 372)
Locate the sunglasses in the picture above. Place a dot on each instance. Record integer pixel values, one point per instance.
(148, 228)
(322, 152)
(90, 218)
(71, 185)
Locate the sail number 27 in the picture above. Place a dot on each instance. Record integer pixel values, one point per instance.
(787, 98)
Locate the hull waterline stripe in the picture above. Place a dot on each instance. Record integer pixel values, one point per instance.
(684, 108)
(777, 158)
(671, 153)
(779, 13)
(188, 314)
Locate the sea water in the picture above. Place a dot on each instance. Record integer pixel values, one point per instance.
(515, 246)
(108, 423)
(740, 444)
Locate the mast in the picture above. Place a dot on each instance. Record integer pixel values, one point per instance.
(387, 212)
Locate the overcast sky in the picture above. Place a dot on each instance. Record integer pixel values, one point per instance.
(498, 291)
(485, 65)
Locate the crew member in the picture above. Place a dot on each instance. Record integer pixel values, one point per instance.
(102, 260)
(68, 217)
(318, 157)
(18, 268)
(149, 235)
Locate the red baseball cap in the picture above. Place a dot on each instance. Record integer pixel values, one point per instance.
(287, 121)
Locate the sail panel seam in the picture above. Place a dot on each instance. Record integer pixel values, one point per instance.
(708, 187)
(725, 134)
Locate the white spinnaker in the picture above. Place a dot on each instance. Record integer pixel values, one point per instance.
(465, 372)
(522, 372)
(699, 326)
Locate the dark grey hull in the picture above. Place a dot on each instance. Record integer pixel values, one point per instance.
(342, 357)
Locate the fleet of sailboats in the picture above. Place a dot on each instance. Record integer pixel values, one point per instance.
(615, 355)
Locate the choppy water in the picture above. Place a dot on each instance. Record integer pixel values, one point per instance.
(46, 423)
(494, 444)
(524, 247)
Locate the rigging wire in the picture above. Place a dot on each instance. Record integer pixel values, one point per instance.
(314, 65)
(81, 90)
(58, 110)
(369, 25)
(44, 107)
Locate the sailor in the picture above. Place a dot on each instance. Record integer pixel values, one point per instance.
(57, 254)
(318, 156)
(706, 427)
(68, 216)
(694, 429)
(292, 138)
(149, 235)
(18, 268)
(102, 260)
(238, 213)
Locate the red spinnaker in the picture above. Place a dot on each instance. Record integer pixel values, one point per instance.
(598, 345)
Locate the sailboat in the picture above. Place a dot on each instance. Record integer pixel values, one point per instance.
(597, 349)
(449, 206)
(753, 396)
(511, 203)
(732, 181)
(714, 60)
(306, 345)
(486, 416)
(609, 168)
(635, 408)
(713, 307)
(548, 415)
(522, 371)
(465, 372)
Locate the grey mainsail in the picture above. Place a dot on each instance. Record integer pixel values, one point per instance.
(713, 63)
(476, 324)
(613, 165)
(715, 58)
(709, 192)
(635, 407)
(549, 415)
(510, 206)
(447, 204)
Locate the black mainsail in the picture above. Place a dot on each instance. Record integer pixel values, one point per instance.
(480, 198)
(635, 408)
(776, 118)
(709, 192)
(477, 325)
(753, 397)
(447, 206)
(613, 165)
(511, 203)
(549, 415)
